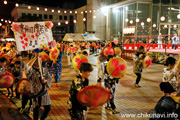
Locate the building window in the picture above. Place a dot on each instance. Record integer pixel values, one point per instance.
(60, 17)
(45, 16)
(23, 14)
(65, 17)
(40, 16)
(29, 14)
(35, 15)
(71, 18)
(50, 17)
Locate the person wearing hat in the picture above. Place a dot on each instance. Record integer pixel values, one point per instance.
(40, 80)
(166, 108)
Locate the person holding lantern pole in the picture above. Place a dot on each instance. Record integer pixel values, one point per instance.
(40, 80)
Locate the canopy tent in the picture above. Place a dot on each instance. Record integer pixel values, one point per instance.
(80, 37)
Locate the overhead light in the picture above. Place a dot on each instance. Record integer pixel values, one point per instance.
(126, 20)
(137, 20)
(154, 25)
(142, 23)
(37, 8)
(175, 26)
(5, 2)
(59, 11)
(163, 18)
(148, 19)
(17, 5)
(29, 7)
(131, 21)
(178, 16)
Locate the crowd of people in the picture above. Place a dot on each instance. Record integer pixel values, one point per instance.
(40, 73)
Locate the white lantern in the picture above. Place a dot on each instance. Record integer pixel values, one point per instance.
(84, 19)
(154, 25)
(165, 26)
(75, 12)
(148, 19)
(75, 21)
(5, 2)
(52, 10)
(175, 26)
(131, 21)
(126, 20)
(163, 18)
(45, 9)
(65, 11)
(59, 23)
(29, 7)
(37, 8)
(17, 5)
(142, 23)
(59, 11)
(66, 22)
(178, 16)
(70, 12)
(137, 20)
(94, 17)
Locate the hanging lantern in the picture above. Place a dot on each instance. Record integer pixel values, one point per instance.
(163, 18)
(126, 20)
(37, 8)
(175, 26)
(165, 26)
(142, 23)
(75, 21)
(154, 25)
(45, 9)
(29, 7)
(84, 19)
(137, 20)
(59, 23)
(148, 19)
(5, 2)
(52, 10)
(59, 11)
(131, 21)
(17, 5)
(178, 16)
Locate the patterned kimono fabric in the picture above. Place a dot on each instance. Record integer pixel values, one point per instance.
(74, 107)
(57, 69)
(110, 83)
(39, 91)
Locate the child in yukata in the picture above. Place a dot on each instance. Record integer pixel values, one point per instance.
(76, 110)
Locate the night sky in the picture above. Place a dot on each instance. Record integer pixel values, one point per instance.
(5, 10)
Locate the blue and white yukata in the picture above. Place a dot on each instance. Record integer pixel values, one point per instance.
(57, 69)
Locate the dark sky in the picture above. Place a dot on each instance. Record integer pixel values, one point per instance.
(5, 10)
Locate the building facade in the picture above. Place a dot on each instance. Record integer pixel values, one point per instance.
(142, 19)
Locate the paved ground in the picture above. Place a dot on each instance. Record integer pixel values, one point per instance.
(134, 103)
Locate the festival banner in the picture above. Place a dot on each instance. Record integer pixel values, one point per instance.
(32, 35)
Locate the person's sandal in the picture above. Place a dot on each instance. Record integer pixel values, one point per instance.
(115, 112)
(137, 86)
(107, 108)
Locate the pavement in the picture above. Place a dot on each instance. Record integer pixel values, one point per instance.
(133, 103)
